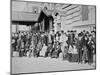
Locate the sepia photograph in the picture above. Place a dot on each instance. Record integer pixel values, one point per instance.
(52, 37)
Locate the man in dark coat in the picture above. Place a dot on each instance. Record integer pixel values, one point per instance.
(79, 47)
(90, 50)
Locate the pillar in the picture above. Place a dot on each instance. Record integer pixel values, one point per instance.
(16, 28)
(50, 24)
(43, 24)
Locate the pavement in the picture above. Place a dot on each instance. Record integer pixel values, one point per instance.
(33, 65)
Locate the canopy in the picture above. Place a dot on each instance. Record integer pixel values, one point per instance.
(24, 16)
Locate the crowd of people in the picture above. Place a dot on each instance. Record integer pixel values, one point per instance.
(71, 45)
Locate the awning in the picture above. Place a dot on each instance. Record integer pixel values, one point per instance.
(24, 16)
(44, 14)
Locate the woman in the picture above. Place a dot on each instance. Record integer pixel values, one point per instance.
(43, 51)
(31, 49)
(84, 57)
(22, 49)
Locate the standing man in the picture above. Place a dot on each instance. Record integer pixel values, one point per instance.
(90, 50)
(79, 47)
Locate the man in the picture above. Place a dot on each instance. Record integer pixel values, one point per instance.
(63, 44)
(93, 33)
(90, 50)
(22, 49)
(16, 39)
(79, 47)
(70, 39)
(85, 51)
(13, 45)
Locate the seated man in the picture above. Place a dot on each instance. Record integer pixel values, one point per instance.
(65, 55)
(56, 50)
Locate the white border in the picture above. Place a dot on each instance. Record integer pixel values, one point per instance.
(5, 37)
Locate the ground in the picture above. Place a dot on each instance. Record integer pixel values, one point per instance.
(27, 65)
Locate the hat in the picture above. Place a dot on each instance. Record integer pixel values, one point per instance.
(80, 34)
(90, 35)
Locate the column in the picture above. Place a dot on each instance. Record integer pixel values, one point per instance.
(17, 28)
(43, 24)
(50, 24)
(40, 26)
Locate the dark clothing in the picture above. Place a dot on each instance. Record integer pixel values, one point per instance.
(90, 52)
(49, 49)
(52, 38)
(70, 40)
(46, 40)
(15, 45)
(84, 41)
(79, 47)
(24, 39)
(35, 39)
(56, 51)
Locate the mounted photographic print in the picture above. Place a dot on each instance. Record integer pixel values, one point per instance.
(52, 37)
